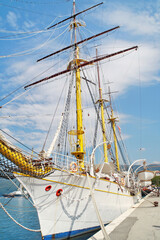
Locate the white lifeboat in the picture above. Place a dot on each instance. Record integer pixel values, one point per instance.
(145, 175)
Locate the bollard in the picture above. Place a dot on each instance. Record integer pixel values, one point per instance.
(156, 204)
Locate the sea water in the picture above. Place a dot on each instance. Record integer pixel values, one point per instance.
(22, 211)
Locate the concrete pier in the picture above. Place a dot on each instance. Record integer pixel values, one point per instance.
(141, 222)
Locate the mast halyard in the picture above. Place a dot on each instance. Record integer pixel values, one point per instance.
(112, 120)
(101, 101)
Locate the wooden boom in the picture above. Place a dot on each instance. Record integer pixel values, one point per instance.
(82, 65)
(77, 43)
(74, 15)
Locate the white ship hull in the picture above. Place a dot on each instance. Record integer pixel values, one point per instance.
(72, 213)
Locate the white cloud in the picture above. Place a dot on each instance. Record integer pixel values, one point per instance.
(29, 25)
(138, 23)
(131, 68)
(143, 29)
(12, 19)
(156, 163)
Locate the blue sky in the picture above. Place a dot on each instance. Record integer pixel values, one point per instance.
(136, 76)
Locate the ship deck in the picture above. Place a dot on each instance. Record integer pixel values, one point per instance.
(141, 222)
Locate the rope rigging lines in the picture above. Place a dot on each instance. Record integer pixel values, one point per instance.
(30, 51)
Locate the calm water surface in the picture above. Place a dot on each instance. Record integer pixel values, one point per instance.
(22, 211)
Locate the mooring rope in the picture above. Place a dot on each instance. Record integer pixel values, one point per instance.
(32, 230)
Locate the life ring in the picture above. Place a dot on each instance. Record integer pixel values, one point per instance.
(73, 167)
(48, 188)
(59, 192)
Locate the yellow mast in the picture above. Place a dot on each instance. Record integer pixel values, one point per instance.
(112, 119)
(79, 153)
(101, 101)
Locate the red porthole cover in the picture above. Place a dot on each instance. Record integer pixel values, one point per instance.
(48, 188)
(59, 192)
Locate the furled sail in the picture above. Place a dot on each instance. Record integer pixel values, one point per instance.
(55, 139)
(24, 163)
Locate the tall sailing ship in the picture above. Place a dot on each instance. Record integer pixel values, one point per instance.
(75, 187)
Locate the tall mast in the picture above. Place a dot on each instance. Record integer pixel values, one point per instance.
(79, 153)
(101, 101)
(112, 120)
(75, 65)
